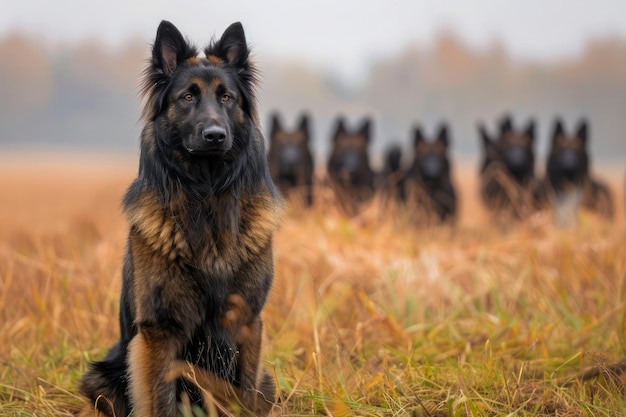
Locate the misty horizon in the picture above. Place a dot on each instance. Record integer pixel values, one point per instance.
(85, 94)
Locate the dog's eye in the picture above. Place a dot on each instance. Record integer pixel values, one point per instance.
(225, 98)
(188, 97)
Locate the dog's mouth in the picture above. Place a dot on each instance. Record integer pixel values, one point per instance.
(201, 146)
(205, 152)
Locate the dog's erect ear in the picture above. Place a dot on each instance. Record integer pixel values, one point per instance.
(442, 136)
(304, 126)
(418, 136)
(170, 49)
(366, 129)
(274, 125)
(558, 131)
(506, 124)
(304, 123)
(489, 146)
(340, 128)
(530, 130)
(581, 133)
(484, 136)
(232, 47)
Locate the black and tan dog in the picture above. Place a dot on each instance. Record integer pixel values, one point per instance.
(290, 159)
(568, 182)
(507, 174)
(349, 169)
(427, 186)
(201, 212)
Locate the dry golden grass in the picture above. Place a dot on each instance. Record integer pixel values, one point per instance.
(367, 317)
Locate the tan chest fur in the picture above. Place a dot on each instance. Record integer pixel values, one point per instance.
(221, 251)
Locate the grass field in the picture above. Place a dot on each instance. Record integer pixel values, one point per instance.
(367, 317)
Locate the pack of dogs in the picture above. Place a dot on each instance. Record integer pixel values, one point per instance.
(202, 211)
(509, 185)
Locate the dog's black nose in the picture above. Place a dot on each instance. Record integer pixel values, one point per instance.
(214, 134)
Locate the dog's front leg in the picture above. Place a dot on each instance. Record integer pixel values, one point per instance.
(152, 353)
(257, 387)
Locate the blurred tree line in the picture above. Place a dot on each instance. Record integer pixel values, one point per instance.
(85, 96)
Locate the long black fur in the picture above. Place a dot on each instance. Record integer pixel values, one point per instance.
(202, 196)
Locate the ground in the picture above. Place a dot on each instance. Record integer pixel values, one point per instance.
(367, 317)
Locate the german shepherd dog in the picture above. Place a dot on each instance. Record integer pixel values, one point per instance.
(568, 178)
(201, 212)
(427, 186)
(290, 158)
(507, 174)
(349, 169)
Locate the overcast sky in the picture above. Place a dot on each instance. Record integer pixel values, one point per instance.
(335, 35)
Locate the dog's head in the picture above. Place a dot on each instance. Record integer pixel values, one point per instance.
(199, 103)
(568, 159)
(513, 148)
(289, 149)
(349, 160)
(431, 156)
